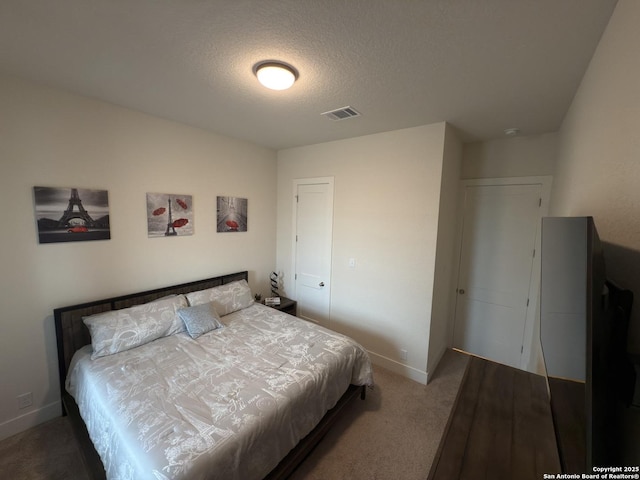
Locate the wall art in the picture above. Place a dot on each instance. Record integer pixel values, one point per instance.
(71, 214)
(232, 214)
(169, 215)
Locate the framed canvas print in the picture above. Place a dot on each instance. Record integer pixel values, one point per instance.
(232, 214)
(71, 214)
(169, 215)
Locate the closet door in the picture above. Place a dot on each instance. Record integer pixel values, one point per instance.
(500, 224)
(313, 227)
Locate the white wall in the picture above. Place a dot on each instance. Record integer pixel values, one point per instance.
(443, 305)
(523, 156)
(598, 167)
(51, 138)
(386, 203)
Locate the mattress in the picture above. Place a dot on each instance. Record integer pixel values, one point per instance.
(227, 405)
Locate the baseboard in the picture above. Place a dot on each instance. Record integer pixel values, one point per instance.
(399, 368)
(30, 419)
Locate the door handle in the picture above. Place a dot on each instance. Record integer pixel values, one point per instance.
(461, 291)
(321, 284)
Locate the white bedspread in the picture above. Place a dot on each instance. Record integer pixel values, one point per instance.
(228, 405)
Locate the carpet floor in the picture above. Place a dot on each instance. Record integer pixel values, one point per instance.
(393, 434)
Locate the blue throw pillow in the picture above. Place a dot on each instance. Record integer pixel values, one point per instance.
(200, 319)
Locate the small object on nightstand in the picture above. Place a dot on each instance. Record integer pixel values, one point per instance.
(286, 305)
(272, 301)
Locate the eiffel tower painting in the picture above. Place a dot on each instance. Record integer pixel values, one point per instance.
(71, 214)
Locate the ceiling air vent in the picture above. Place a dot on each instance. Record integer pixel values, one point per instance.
(341, 113)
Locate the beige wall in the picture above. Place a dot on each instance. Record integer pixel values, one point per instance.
(598, 169)
(441, 331)
(386, 201)
(50, 138)
(524, 156)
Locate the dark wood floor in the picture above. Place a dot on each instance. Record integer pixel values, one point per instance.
(501, 427)
(567, 405)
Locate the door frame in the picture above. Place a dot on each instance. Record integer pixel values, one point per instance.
(531, 356)
(294, 230)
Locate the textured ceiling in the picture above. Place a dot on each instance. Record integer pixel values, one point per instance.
(482, 65)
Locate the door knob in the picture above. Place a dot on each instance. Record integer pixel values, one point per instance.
(321, 284)
(461, 291)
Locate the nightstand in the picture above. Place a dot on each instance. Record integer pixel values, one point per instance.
(287, 306)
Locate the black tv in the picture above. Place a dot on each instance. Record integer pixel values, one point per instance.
(576, 339)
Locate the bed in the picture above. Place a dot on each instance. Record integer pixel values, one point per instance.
(215, 386)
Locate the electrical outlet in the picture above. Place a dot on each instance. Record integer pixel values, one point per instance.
(404, 354)
(352, 263)
(25, 400)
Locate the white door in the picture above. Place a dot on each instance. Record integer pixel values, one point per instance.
(313, 215)
(500, 225)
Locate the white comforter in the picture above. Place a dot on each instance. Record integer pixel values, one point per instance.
(228, 405)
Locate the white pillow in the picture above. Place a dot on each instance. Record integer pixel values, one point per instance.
(178, 325)
(225, 298)
(119, 330)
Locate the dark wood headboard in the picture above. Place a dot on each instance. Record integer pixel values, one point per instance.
(72, 334)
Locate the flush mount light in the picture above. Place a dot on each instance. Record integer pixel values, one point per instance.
(275, 75)
(511, 132)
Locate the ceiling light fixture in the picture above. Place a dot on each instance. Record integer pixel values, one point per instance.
(511, 132)
(275, 75)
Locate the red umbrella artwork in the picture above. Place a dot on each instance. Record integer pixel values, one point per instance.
(231, 214)
(161, 220)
